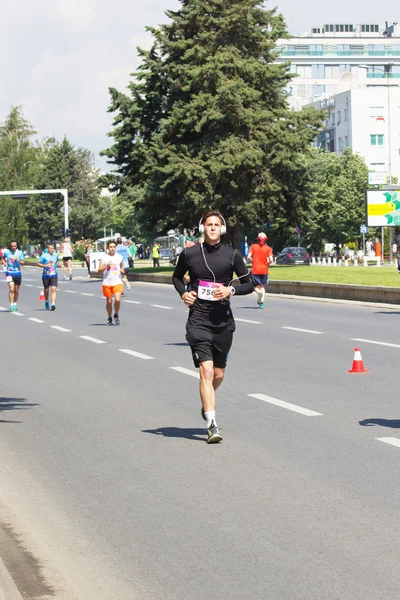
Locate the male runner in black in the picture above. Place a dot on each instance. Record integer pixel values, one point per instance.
(210, 325)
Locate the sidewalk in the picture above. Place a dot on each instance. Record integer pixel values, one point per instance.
(8, 589)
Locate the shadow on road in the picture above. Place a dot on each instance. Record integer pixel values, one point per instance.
(14, 404)
(178, 432)
(394, 423)
(387, 312)
(177, 344)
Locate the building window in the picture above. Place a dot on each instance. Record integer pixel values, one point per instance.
(339, 116)
(333, 118)
(318, 71)
(340, 141)
(377, 139)
(346, 141)
(378, 166)
(344, 69)
(317, 90)
(345, 114)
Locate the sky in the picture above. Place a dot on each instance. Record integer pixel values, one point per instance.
(59, 57)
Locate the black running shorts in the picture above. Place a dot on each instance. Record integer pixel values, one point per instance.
(208, 343)
(16, 279)
(49, 282)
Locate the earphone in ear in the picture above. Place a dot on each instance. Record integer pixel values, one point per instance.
(223, 228)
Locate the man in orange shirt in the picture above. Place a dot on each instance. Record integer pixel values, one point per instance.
(260, 256)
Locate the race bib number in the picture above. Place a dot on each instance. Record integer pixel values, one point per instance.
(207, 289)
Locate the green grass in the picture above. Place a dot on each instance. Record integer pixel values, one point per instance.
(376, 276)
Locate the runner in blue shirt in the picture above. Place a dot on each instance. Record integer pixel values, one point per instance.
(49, 261)
(12, 260)
(124, 252)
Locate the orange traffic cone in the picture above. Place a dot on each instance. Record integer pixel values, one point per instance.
(41, 297)
(358, 365)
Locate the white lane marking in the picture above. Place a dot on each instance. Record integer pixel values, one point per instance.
(374, 342)
(248, 321)
(29, 279)
(70, 292)
(86, 294)
(299, 409)
(137, 354)
(132, 302)
(60, 328)
(39, 287)
(303, 330)
(18, 313)
(92, 339)
(2, 308)
(29, 285)
(390, 440)
(161, 306)
(186, 371)
(35, 320)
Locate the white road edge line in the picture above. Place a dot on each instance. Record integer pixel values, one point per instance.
(248, 321)
(390, 440)
(137, 354)
(132, 301)
(35, 320)
(161, 306)
(298, 409)
(60, 328)
(374, 342)
(92, 339)
(186, 371)
(304, 330)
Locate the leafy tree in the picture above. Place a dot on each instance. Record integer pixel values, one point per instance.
(64, 166)
(337, 207)
(18, 167)
(207, 122)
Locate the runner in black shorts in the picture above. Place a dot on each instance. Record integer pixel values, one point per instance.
(49, 261)
(210, 325)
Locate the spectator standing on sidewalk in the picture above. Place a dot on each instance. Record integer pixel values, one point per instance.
(156, 255)
(396, 247)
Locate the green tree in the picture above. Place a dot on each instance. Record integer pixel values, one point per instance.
(207, 123)
(63, 166)
(18, 168)
(337, 207)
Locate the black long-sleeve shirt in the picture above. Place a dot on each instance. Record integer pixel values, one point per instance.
(219, 263)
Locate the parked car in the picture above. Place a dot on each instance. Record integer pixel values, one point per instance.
(293, 256)
(166, 253)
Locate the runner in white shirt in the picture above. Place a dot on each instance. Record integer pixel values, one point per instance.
(112, 268)
(66, 251)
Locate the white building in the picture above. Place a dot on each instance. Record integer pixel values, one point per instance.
(325, 59)
(365, 118)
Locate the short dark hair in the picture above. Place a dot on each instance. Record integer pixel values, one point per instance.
(119, 240)
(110, 242)
(212, 213)
(13, 242)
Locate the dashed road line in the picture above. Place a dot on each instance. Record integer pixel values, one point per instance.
(15, 312)
(186, 371)
(137, 354)
(35, 320)
(298, 409)
(86, 294)
(58, 328)
(303, 330)
(375, 342)
(70, 292)
(28, 285)
(132, 301)
(92, 339)
(161, 306)
(248, 321)
(390, 440)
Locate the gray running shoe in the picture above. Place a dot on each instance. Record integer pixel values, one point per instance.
(109, 321)
(116, 319)
(53, 307)
(214, 434)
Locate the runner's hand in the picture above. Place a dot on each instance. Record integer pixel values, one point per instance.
(189, 298)
(222, 292)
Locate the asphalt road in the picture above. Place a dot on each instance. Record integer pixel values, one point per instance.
(107, 482)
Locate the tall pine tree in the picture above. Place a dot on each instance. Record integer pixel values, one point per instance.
(207, 124)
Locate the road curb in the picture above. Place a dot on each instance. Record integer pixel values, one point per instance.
(8, 589)
(304, 289)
